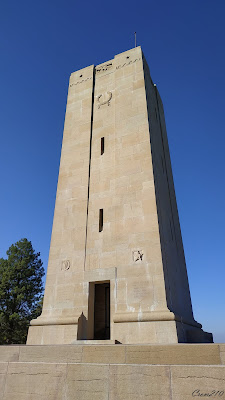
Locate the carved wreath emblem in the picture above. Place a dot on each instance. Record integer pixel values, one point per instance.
(104, 99)
(65, 265)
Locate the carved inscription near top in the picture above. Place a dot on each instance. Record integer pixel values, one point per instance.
(103, 68)
(78, 82)
(128, 63)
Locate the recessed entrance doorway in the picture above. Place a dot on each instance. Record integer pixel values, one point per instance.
(102, 311)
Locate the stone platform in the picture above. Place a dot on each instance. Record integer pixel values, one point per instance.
(112, 372)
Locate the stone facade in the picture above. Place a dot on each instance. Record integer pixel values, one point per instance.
(116, 266)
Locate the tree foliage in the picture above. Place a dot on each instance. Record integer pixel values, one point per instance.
(21, 290)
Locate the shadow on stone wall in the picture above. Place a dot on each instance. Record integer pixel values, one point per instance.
(82, 327)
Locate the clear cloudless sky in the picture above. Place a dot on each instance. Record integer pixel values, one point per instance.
(42, 42)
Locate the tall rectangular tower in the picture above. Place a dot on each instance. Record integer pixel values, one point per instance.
(116, 265)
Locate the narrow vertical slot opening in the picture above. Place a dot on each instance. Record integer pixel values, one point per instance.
(171, 229)
(102, 145)
(101, 220)
(162, 164)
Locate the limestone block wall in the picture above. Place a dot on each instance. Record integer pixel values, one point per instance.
(176, 372)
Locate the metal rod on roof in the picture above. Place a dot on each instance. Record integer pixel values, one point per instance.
(135, 39)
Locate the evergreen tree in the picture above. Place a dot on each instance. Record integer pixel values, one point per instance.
(21, 290)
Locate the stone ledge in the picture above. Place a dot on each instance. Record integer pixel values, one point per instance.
(152, 316)
(152, 354)
(41, 321)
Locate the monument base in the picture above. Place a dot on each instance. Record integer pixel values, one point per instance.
(51, 334)
(115, 372)
(163, 327)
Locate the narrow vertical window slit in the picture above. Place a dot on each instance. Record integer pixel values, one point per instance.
(162, 164)
(102, 145)
(171, 229)
(101, 220)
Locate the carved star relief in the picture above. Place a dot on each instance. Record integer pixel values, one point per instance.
(138, 255)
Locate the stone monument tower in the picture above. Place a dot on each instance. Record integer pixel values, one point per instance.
(116, 266)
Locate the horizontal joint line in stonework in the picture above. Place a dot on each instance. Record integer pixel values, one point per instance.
(200, 377)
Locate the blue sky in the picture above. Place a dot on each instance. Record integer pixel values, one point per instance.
(41, 43)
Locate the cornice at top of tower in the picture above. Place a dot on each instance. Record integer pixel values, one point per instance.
(119, 61)
(134, 51)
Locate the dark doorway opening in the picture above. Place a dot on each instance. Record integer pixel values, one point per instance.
(102, 311)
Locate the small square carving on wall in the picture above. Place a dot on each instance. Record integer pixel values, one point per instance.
(65, 265)
(138, 255)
